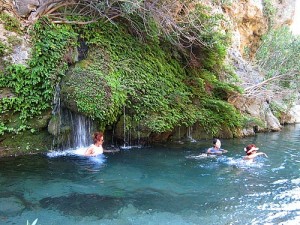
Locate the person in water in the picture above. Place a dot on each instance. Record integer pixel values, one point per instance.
(96, 148)
(251, 152)
(216, 149)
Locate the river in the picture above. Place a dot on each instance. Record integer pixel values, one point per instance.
(161, 184)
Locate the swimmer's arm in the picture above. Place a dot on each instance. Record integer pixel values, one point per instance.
(252, 156)
(223, 150)
(261, 153)
(89, 152)
(208, 151)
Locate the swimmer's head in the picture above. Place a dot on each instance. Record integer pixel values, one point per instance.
(250, 149)
(217, 143)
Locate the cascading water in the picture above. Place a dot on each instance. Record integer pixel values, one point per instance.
(189, 134)
(72, 130)
(81, 129)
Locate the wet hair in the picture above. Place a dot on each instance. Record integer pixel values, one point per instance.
(97, 136)
(215, 140)
(248, 148)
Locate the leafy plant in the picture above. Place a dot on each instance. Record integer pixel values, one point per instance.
(33, 85)
(10, 23)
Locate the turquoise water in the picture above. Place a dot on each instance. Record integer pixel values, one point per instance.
(163, 184)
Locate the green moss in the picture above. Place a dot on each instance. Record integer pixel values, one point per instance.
(149, 81)
(146, 78)
(10, 23)
(25, 143)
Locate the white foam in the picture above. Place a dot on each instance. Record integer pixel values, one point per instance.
(76, 152)
(296, 181)
(241, 163)
(293, 194)
(280, 181)
(201, 156)
(70, 152)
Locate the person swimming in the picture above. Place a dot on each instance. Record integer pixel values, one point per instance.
(251, 152)
(96, 148)
(216, 149)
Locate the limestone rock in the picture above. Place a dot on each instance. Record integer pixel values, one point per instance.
(285, 11)
(249, 24)
(272, 122)
(25, 7)
(19, 45)
(292, 116)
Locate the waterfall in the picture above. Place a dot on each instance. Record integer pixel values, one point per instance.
(189, 134)
(129, 133)
(71, 130)
(81, 130)
(124, 128)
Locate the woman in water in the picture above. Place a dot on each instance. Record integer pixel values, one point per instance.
(216, 149)
(96, 148)
(251, 152)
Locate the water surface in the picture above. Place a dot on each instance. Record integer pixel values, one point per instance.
(163, 184)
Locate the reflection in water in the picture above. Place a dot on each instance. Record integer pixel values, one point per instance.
(169, 184)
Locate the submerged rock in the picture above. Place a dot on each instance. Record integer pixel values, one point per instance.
(11, 206)
(84, 204)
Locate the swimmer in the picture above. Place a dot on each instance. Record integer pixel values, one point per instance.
(216, 149)
(251, 152)
(96, 148)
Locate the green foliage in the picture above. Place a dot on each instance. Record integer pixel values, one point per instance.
(279, 55)
(143, 77)
(10, 23)
(153, 86)
(210, 43)
(3, 47)
(269, 11)
(252, 122)
(277, 109)
(213, 112)
(34, 84)
(121, 71)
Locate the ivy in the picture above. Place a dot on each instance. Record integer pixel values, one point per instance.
(33, 85)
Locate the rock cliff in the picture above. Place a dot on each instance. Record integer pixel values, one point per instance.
(248, 20)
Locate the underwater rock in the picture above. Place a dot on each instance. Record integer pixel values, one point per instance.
(11, 206)
(83, 204)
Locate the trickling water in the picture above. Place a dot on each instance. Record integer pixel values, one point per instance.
(124, 127)
(56, 100)
(189, 134)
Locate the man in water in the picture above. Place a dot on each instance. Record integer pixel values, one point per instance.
(251, 152)
(216, 149)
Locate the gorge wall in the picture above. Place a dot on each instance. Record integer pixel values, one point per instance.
(247, 22)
